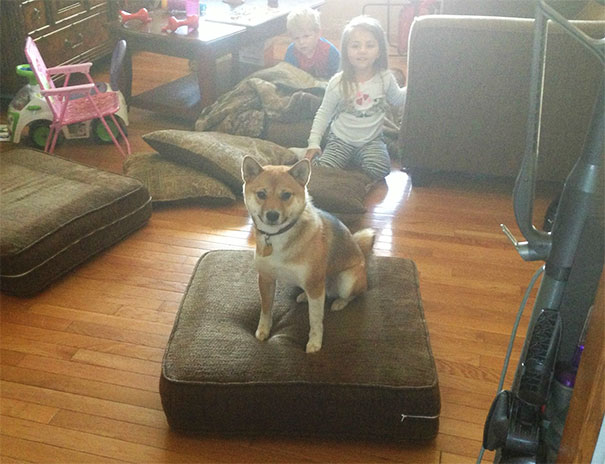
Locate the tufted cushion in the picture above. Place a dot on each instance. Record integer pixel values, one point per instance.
(168, 181)
(339, 190)
(374, 377)
(56, 214)
(218, 155)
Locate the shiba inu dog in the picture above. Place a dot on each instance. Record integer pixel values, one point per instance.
(299, 244)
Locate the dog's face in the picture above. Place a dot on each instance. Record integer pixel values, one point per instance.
(275, 195)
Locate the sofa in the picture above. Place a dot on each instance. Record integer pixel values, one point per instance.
(512, 8)
(468, 96)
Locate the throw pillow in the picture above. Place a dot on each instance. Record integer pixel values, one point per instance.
(218, 154)
(339, 191)
(168, 181)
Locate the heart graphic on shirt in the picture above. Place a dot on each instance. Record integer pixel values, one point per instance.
(362, 98)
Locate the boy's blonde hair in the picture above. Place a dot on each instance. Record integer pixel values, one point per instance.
(303, 19)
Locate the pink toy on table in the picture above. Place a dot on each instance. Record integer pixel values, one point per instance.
(191, 21)
(142, 15)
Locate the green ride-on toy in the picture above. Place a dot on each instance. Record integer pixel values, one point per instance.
(29, 115)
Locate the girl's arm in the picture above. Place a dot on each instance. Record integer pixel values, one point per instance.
(325, 113)
(395, 94)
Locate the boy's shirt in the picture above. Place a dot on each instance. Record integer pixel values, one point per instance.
(323, 64)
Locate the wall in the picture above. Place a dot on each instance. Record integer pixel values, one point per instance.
(336, 13)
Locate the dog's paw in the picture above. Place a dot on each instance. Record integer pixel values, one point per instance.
(339, 304)
(302, 297)
(313, 346)
(262, 334)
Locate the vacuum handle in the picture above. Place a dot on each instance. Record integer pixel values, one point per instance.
(537, 246)
(539, 243)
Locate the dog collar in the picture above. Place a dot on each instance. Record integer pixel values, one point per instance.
(267, 249)
(280, 231)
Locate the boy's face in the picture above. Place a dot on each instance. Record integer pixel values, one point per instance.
(305, 41)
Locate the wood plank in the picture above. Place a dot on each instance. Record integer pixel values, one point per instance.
(79, 370)
(200, 448)
(156, 328)
(33, 334)
(448, 458)
(83, 387)
(34, 451)
(23, 345)
(90, 443)
(122, 363)
(66, 401)
(25, 410)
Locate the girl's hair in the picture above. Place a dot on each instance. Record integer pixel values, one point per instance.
(373, 26)
(301, 19)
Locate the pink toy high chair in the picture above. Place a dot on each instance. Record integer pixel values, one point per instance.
(69, 111)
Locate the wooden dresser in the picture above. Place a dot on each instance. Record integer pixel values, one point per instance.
(66, 31)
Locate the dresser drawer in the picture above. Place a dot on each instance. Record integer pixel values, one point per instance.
(64, 9)
(79, 38)
(66, 31)
(35, 16)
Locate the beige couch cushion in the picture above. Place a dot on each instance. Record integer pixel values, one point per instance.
(468, 89)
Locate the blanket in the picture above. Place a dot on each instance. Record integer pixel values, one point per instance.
(280, 93)
(283, 97)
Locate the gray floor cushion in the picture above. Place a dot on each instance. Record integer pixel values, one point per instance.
(55, 214)
(374, 377)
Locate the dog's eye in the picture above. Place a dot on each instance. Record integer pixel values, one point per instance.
(285, 196)
(261, 195)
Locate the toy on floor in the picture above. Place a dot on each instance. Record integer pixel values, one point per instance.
(191, 22)
(141, 15)
(29, 110)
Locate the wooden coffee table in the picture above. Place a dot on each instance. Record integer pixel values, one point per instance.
(222, 31)
(184, 97)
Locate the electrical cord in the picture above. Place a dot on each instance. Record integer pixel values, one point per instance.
(513, 334)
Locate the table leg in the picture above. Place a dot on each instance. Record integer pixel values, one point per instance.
(235, 71)
(206, 75)
(125, 79)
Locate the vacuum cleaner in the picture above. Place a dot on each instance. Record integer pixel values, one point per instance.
(525, 423)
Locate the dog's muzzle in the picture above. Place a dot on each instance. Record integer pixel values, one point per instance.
(272, 217)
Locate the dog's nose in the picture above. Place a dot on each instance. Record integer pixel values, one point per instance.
(272, 216)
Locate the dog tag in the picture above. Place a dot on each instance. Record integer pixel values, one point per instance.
(267, 250)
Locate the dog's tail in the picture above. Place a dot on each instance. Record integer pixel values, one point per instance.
(365, 239)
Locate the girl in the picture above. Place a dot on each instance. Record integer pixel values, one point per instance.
(354, 103)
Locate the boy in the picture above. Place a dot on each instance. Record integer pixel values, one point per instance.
(308, 50)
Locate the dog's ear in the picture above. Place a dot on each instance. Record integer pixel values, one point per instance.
(301, 171)
(250, 168)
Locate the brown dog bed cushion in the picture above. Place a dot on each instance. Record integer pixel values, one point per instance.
(374, 377)
(57, 213)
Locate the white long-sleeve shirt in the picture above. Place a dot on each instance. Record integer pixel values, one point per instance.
(359, 120)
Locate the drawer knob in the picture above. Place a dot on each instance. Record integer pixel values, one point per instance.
(73, 45)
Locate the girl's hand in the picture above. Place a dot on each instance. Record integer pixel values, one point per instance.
(312, 153)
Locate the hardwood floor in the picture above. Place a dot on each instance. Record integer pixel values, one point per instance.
(81, 361)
